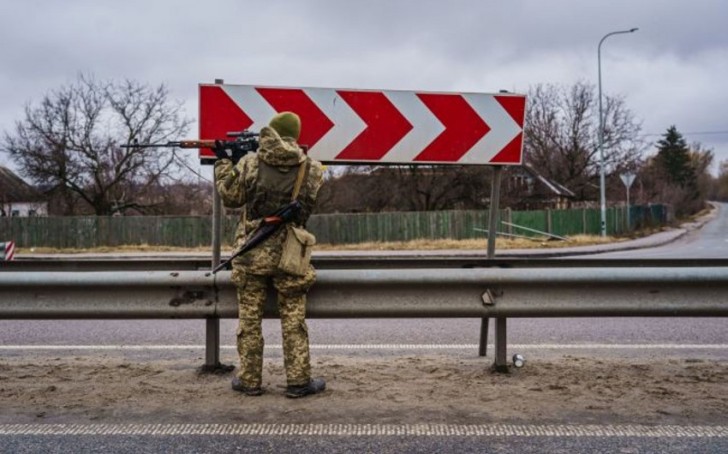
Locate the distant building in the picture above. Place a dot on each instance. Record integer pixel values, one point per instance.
(529, 190)
(18, 198)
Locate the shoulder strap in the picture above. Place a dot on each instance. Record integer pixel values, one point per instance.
(299, 179)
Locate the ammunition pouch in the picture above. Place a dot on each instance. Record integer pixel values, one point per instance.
(296, 251)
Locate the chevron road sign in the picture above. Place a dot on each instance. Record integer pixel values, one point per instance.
(7, 251)
(376, 127)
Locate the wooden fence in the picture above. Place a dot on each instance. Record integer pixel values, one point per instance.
(190, 231)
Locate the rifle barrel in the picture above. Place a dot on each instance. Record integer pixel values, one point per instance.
(143, 145)
(180, 144)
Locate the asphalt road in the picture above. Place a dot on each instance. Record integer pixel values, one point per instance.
(353, 444)
(710, 241)
(535, 338)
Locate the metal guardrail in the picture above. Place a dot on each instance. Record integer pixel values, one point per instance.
(348, 262)
(477, 292)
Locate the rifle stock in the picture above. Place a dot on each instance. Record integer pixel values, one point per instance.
(268, 226)
(196, 143)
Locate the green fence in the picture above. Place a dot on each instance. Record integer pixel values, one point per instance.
(189, 231)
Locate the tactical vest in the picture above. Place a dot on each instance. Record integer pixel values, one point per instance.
(274, 188)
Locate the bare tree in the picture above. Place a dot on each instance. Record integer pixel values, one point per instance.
(720, 183)
(701, 159)
(561, 136)
(70, 141)
(430, 188)
(180, 198)
(406, 188)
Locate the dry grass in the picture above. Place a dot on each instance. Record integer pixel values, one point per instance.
(702, 213)
(429, 245)
(540, 243)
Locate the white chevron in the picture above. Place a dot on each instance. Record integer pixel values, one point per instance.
(252, 103)
(347, 124)
(502, 129)
(425, 126)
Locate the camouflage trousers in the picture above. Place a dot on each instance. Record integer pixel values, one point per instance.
(252, 293)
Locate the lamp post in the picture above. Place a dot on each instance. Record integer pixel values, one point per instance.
(602, 183)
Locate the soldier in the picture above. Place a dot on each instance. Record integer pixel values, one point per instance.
(264, 182)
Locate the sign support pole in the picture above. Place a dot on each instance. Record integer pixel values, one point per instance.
(628, 179)
(501, 331)
(492, 229)
(212, 324)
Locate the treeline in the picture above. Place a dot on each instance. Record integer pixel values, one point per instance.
(68, 145)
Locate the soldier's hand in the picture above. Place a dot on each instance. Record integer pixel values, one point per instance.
(237, 153)
(219, 150)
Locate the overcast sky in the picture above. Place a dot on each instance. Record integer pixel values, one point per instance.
(672, 71)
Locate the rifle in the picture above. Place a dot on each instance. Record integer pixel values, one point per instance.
(243, 143)
(268, 226)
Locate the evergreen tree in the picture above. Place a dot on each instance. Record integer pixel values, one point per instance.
(674, 157)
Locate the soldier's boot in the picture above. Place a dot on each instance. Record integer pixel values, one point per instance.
(237, 385)
(314, 386)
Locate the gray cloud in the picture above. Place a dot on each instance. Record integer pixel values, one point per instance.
(671, 71)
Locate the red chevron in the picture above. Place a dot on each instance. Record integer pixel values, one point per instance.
(219, 115)
(511, 153)
(314, 123)
(463, 127)
(515, 106)
(385, 125)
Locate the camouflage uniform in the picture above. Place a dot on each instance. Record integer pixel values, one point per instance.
(274, 167)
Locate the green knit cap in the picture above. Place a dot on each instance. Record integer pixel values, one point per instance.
(286, 124)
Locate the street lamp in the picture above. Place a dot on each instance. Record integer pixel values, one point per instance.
(602, 184)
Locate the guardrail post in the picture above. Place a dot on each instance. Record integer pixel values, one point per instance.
(501, 340)
(212, 343)
(483, 346)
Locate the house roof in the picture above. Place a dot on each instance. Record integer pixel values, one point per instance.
(14, 189)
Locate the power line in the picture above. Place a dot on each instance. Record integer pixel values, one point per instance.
(696, 133)
(182, 161)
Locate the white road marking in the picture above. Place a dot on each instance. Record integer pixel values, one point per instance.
(417, 430)
(386, 347)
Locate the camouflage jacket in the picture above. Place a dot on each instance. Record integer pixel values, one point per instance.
(237, 186)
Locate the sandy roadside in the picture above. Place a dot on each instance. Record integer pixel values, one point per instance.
(394, 390)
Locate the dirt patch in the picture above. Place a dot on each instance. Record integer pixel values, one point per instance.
(405, 389)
